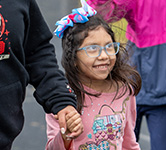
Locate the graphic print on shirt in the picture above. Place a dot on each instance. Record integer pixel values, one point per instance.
(106, 129)
(4, 43)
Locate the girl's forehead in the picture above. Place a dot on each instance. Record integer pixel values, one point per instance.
(98, 35)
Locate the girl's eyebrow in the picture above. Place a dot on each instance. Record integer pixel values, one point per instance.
(88, 44)
(109, 42)
(93, 43)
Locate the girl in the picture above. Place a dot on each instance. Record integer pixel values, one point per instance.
(98, 72)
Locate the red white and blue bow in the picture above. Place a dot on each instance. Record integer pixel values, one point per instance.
(78, 15)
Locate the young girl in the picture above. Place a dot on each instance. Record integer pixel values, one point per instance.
(98, 72)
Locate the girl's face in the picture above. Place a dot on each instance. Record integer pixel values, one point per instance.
(95, 68)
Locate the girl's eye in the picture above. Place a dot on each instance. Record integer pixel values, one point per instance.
(93, 47)
(109, 45)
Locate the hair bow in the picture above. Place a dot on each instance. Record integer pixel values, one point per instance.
(78, 15)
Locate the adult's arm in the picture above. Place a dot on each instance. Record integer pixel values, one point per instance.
(51, 87)
(111, 10)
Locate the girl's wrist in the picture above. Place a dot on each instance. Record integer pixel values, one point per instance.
(67, 141)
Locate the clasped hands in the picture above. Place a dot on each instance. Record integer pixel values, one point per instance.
(70, 123)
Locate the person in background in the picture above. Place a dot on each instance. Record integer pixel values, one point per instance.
(97, 69)
(146, 34)
(27, 57)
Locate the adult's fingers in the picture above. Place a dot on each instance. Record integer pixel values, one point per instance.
(62, 120)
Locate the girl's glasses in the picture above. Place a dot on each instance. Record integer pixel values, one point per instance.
(95, 50)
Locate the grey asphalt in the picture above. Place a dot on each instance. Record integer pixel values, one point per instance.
(33, 135)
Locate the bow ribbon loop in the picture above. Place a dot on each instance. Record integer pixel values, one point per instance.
(78, 15)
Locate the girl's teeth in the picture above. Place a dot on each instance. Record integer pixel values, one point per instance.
(101, 66)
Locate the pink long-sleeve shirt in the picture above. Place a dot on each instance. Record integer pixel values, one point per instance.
(107, 124)
(146, 18)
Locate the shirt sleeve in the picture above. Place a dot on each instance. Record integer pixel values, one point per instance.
(55, 140)
(129, 139)
(111, 10)
(51, 87)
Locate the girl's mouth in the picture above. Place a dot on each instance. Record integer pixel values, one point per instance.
(102, 67)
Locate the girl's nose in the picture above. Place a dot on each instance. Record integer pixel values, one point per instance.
(103, 55)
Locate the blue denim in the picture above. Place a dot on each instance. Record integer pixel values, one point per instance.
(156, 121)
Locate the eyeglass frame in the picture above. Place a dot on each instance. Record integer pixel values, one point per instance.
(101, 48)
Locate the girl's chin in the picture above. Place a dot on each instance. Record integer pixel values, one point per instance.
(100, 78)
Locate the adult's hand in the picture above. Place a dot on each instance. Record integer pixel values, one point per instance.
(61, 116)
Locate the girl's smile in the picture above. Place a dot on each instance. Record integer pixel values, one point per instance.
(102, 66)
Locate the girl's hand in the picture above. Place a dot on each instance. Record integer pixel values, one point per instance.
(74, 124)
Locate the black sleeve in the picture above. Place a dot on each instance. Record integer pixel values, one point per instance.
(51, 89)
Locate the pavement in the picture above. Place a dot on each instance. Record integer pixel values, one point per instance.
(33, 135)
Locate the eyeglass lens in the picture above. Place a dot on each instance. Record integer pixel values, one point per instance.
(94, 50)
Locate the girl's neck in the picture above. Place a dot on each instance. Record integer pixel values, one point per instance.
(103, 86)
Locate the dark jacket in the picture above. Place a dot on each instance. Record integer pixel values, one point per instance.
(27, 57)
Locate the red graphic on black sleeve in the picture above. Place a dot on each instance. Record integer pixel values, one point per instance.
(2, 47)
(4, 41)
(2, 25)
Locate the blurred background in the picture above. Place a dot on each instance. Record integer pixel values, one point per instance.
(33, 136)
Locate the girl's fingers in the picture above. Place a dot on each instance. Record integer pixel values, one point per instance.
(71, 118)
(71, 115)
(76, 128)
(72, 123)
(79, 129)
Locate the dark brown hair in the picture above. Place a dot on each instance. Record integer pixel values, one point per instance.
(122, 72)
